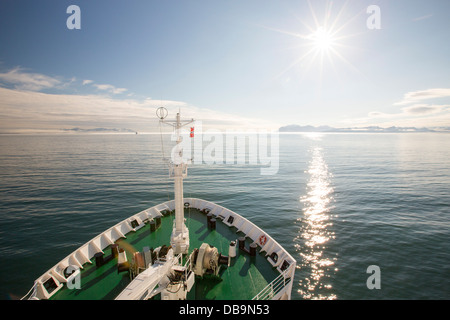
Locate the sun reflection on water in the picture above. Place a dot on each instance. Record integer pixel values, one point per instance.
(315, 231)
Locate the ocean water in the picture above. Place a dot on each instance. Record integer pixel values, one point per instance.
(339, 203)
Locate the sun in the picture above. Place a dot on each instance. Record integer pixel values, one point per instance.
(322, 40)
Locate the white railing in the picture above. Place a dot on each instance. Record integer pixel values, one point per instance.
(276, 286)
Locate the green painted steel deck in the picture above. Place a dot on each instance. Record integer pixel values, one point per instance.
(242, 280)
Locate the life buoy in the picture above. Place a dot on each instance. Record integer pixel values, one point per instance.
(262, 240)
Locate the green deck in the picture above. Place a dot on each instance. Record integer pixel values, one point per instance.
(245, 277)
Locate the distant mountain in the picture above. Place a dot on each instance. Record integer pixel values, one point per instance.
(297, 128)
(105, 130)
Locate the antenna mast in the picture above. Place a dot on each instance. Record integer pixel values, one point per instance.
(177, 170)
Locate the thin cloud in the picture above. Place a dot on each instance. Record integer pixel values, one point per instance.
(423, 109)
(416, 96)
(22, 80)
(22, 111)
(110, 88)
(375, 114)
(105, 87)
(415, 110)
(418, 115)
(423, 17)
(24, 107)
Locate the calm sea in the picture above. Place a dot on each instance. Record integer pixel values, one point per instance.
(338, 203)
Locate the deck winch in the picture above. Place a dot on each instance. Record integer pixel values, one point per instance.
(207, 260)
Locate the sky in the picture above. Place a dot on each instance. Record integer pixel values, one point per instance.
(230, 64)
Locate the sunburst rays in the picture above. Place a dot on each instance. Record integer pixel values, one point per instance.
(321, 41)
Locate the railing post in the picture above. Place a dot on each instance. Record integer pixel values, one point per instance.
(269, 291)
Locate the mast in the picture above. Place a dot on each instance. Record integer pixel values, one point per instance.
(179, 239)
